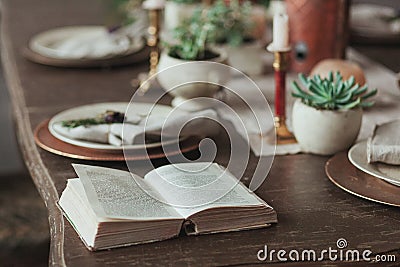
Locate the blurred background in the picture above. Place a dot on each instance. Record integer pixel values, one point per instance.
(24, 236)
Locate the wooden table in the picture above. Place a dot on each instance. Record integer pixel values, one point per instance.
(313, 213)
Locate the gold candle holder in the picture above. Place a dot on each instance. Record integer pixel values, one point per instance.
(280, 65)
(153, 40)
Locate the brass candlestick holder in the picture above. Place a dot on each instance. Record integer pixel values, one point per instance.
(280, 65)
(153, 40)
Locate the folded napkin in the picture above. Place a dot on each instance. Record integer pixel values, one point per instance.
(94, 44)
(132, 132)
(384, 145)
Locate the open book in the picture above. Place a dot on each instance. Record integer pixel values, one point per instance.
(111, 208)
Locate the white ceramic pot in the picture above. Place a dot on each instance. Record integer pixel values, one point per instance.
(325, 132)
(188, 79)
(176, 13)
(246, 57)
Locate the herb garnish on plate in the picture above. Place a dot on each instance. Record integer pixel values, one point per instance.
(105, 118)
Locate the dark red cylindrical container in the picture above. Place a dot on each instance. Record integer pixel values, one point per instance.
(318, 30)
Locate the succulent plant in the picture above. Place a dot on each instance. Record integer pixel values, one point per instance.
(332, 93)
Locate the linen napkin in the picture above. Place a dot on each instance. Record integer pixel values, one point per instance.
(91, 45)
(98, 44)
(384, 145)
(132, 132)
(257, 122)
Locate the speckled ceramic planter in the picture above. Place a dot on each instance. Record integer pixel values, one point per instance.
(325, 132)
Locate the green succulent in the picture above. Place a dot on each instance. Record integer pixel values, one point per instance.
(332, 93)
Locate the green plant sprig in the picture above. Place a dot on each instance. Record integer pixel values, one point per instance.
(221, 22)
(192, 37)
(232, 21)
(332, 93)
(82, 122)
(105, 118)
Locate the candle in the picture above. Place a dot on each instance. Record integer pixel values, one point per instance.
(153, 4)
(281, 32)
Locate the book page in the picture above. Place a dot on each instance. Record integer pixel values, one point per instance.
(192, 187)
(121, 195)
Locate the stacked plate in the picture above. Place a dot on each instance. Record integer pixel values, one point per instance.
(85, 46)
(375, 23)
(353, 173)
(47, 136)
(358, 157)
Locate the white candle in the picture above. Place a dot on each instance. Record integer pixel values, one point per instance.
(153, 4)
(280, 32)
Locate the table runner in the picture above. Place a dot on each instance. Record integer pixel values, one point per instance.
(386, 108)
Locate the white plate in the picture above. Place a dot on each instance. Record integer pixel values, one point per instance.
(367, 19)
(47, 43)
(358, 157)
(88, 111)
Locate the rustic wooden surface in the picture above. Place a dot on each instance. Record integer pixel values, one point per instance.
(313, 213)
(24, 229)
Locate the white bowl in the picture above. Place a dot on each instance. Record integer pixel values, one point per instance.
(188, 79)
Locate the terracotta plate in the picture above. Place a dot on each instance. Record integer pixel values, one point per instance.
(343, 174)
(47, 141)
(159, 112)
(123, 60)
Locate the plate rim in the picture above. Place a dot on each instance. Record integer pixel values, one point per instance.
(366, 170)
(189, 144)
(99, 146)
(331, 177)
(364, 30)
(134, 48)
